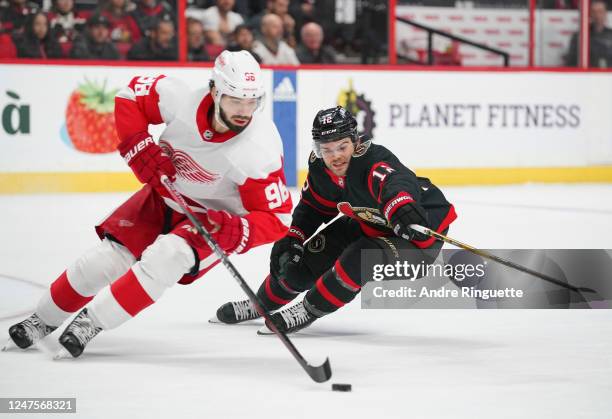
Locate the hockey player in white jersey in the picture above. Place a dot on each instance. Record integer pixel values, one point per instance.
(225, 158)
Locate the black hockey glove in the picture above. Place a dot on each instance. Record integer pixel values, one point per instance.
(288, 250)
(401, 211)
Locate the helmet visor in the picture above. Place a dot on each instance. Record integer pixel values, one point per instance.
(243, 108)
(329, 149)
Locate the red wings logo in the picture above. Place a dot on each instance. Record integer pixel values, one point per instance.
(186, 167)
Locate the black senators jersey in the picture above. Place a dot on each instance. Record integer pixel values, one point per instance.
(374, 178)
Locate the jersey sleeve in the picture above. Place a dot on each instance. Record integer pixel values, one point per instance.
(393, 185)
(144, 101)
(389, 181)
(269, 205)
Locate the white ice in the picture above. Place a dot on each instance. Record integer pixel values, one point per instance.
(169, 362)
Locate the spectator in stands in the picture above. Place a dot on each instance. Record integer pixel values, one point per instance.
(271, 48)
(558, 4)
(311, 50)
(88, 7)
(243, 40)
(255, 21)
(600, 39)
(249, 7)
(242, 7)
(564, 4)
(432, 3)
(64, 21)
(7, 46)
(36, 40)
(158, 45)
(303, 11)
(340, 26)
(219, 22)
(148, 12)
(281, 9)
(196, 44)
(13, 16)
(95, 43)
(123, 26)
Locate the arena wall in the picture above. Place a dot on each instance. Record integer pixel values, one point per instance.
(457, 127)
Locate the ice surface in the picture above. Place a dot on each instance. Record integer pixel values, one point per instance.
(169, 362)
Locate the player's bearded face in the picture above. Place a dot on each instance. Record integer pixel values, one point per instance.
(337, 155)
(236, 113)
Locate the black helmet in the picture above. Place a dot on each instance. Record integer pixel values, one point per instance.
(333, 124)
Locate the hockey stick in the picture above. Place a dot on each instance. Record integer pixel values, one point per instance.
(431, 233)
(374, 215)
(319, 373)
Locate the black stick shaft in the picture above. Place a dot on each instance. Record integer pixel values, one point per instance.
(319, 373)
(498, 259)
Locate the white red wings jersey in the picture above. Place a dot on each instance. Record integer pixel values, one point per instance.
(239, 173)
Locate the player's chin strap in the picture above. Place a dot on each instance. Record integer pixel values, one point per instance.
(505, 262)
(320, 373)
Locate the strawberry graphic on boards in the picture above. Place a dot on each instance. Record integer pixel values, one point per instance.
(90, 119)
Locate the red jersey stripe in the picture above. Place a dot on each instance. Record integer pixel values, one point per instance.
(326, 294)
(66, 297)
(130, 295)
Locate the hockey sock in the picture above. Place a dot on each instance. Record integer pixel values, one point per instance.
(118, 303)
(275, 293)
(333, 289)
(75, 287)
(59, 301)
(65, 296)
(130, 294)
(161, 266)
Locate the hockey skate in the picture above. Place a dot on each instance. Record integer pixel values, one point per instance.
(27, 332)
(290, 320)
(76, 336)
(235, 312)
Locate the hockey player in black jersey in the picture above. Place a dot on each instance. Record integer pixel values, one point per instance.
(379, 197)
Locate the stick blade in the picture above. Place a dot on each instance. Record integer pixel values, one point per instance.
(320, 373)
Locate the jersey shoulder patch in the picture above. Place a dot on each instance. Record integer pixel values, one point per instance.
(312, 157)
(362, 148)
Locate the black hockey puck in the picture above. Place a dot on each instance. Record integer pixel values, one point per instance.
(341, 387)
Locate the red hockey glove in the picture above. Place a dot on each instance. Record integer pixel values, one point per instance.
(231, 232)
(401, 211)
(146, 159)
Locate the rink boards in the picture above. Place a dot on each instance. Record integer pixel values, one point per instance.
(466, 127)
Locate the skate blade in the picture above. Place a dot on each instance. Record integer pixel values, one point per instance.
(264, 331)
(9, 346)
(252, 322)
(62, 354)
